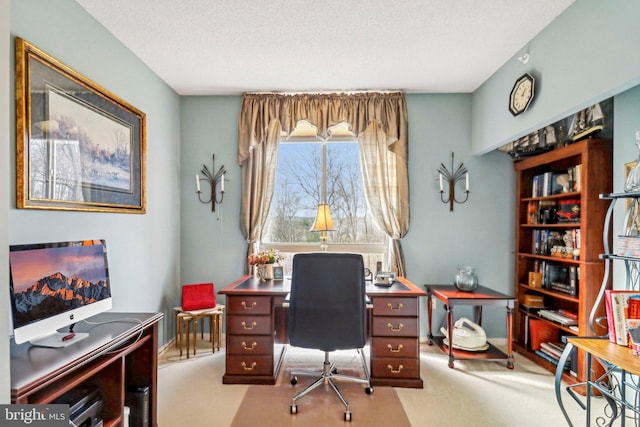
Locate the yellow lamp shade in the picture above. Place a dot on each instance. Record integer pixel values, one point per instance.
(323, 220)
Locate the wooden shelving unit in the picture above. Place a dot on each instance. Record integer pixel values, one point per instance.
(595, 158)
(121, 352)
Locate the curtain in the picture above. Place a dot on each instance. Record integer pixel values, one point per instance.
(378, 119)
(383, 161)
(258, 179)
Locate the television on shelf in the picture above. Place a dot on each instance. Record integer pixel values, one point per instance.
(55, 285)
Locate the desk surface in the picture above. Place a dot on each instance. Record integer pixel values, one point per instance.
(611, 352)
(252, 285)
(480, 296)
(30, 364)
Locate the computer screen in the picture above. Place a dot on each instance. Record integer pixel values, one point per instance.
(55, 285)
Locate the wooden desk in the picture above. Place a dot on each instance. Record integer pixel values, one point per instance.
(618, 359)
(451, 297)
(115, 356)
(256, 336)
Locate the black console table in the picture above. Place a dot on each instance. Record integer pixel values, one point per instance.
(118, 355)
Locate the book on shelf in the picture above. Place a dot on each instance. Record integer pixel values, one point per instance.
(549, 348)
(573, 358)
(618, 313)
(558, 316)
(628, 246)
(541, 331)
(550, 358)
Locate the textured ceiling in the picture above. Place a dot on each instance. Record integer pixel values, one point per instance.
(221, 47)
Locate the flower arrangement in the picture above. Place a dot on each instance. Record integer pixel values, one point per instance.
(263, 262)
(265, 257)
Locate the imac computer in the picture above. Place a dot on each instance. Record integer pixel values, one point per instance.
(55, 285)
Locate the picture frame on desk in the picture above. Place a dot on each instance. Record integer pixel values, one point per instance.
(79, 147)
(278, 272)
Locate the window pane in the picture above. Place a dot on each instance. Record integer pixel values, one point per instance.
(296, 195)
(298, 190)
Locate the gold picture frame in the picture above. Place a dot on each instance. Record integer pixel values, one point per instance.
(78, 146)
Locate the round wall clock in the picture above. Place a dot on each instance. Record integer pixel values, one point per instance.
(521, 94)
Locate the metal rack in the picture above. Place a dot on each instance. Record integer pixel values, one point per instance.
(614, 383)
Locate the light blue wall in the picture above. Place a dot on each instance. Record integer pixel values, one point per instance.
(144, 250)
(5, 395)
(212, 249)
(587, 54)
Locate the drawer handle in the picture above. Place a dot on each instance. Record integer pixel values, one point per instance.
(253, 325)
(253, 345)
(253, 305)
(396, 308)
(244, 366)
(392, 329)
(393, 371)
(396, 350)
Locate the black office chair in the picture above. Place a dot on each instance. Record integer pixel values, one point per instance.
(327, 311)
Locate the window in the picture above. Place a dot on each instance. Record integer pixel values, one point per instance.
(303, 180)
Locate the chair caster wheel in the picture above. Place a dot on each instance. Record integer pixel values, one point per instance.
(293, 409)
(347, 416)
(368, 390)
(294, 380)
(334, 371)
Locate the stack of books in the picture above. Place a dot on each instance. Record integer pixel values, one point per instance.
(623, 312)
(552, 351)
(628, 246)
(563, 317)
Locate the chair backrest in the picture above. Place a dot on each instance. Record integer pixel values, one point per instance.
(198, 296)
(327, 308)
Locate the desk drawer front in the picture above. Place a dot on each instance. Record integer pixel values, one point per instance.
(387, 306)
(249, 344)
(394, 347)
(395, 326)
(250, 305)
(395, 367)
(249, 325)
(249, 365)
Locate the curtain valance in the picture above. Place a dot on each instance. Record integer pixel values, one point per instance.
(359, 110)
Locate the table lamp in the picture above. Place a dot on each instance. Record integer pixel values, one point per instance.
(323, 223)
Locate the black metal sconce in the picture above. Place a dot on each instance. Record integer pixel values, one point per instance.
(451, 178)
(213, 181)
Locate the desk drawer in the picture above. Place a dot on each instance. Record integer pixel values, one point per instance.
(395, 326)
(250, 344)
(249, 365)
(395, 367)
(394, 347)
(249, 325)
(249, 304)
(388, 306)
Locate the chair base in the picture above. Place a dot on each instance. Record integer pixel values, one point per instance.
(328, 376)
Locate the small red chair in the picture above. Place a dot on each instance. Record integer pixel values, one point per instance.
(198, 302)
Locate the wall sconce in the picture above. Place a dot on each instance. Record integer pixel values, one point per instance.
(323, 223)
(460, 174)
(213, 183)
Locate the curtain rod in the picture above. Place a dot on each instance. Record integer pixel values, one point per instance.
(313, 92)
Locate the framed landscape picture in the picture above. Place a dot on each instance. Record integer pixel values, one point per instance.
(78, 146)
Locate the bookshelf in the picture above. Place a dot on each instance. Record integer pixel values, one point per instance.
(560, 220)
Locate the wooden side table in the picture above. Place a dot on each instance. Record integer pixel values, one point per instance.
(184, 319)
(450, 297)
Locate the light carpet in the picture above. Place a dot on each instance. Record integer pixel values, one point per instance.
(475, 393)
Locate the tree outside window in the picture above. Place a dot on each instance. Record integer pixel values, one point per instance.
(300, 186)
